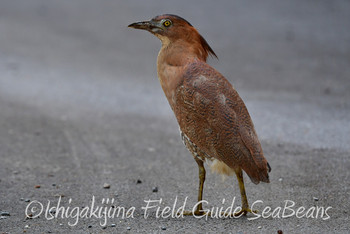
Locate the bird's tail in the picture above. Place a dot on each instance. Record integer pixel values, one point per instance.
(258, 172)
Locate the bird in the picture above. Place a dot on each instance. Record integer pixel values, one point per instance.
(214, 122)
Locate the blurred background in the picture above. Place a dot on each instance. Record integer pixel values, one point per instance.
(81, 105)
(70, 57)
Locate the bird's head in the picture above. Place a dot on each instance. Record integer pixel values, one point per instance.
(171, 28)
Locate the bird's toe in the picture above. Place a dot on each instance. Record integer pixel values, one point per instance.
(245, 211)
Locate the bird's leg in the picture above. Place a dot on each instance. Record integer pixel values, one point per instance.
(245, 206)
(201, 183)
(199, 208)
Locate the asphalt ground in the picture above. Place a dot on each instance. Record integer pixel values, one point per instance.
(83, 117)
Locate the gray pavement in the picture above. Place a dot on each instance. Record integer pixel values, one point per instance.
(81, 106)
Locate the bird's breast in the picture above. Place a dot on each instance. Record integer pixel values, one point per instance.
(170, 78)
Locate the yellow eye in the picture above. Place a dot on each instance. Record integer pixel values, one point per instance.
(167, 23)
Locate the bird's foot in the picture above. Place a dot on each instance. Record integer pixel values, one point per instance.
(245, 211)
(227, 215)
(196, 213)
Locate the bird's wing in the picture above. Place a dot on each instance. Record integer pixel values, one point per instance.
(217, 115)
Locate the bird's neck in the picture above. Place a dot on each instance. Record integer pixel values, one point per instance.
(180, 52)
(171, 63)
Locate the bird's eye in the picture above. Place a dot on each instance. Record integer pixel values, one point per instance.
(167, 23)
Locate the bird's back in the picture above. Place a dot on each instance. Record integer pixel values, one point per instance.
(213, 116)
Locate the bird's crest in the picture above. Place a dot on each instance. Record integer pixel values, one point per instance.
(207, 48)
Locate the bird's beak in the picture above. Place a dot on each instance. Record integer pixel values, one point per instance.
(140, 25)
(145, 25)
